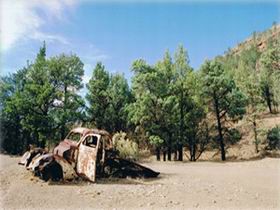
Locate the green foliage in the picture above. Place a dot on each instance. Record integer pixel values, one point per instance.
(108, 97)
(13, 138)
(169, 106)
(155, 140)
(120, 96)
(98, 96)
(227, 102)
(127, 148)
(40, 101)
(273, 137)
(167, 102)
(150, 89)
(232, 136)
(66, 74)
(270, 76)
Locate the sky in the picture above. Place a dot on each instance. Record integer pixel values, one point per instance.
(117, 32)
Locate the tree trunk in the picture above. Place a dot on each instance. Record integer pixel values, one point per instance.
(256, 135)
(180, 152)
(268, 98)
(169, 146)
(221, 138)
(176, 154)
(180, 146)
(169, 153)
(158, 153)
(164, 155)
(190, 152)
(193, 148)
(62, 130)
(193, 152)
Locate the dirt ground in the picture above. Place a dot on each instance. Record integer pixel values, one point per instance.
(201, 185)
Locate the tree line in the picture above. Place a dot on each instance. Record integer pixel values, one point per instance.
(169, 107)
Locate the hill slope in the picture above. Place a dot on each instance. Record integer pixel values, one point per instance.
(245, 148)
(262, 39)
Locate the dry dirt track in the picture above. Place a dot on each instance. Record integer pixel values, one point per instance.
(202, 185)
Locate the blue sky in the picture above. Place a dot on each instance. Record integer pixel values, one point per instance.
(118, 32)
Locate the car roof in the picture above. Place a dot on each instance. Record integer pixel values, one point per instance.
(83, 130)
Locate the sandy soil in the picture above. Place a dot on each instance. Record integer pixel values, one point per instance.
(201, 185)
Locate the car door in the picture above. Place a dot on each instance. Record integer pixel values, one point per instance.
(87, 155)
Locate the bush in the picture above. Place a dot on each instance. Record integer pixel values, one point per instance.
(232, 136)
(273, 137)
(127, 148)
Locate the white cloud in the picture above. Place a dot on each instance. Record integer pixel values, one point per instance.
(22, 19)
(49, 37)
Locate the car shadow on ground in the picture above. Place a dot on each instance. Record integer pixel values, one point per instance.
(113, 181)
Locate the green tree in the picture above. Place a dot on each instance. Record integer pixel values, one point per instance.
(194, 117)
(39, 101)
(65, 75)
(146, 111)
(249, 82)
(119, 96)
(270, 76)
(166, 104)
(98, 97)
(108, 97)
(225, 100)
(14, 139)
(36, 100)
(181, 90)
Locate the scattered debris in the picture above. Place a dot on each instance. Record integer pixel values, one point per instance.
(86, 153)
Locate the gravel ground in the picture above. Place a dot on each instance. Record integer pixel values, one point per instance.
(201, 185)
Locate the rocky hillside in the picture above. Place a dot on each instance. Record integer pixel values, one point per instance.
(261, 39)
(245, 148)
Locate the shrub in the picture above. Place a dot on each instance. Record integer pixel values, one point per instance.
(273, 137)
(127, 148)
(232, 136)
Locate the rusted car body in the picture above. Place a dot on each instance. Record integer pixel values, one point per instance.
(86, 153)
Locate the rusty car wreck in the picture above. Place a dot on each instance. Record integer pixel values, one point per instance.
(85, 153)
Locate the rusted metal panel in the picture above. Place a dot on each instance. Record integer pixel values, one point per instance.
(86, 162)
(24, 159)
(40, 160)
(29, 156)
(68, 170)
(88, 154)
